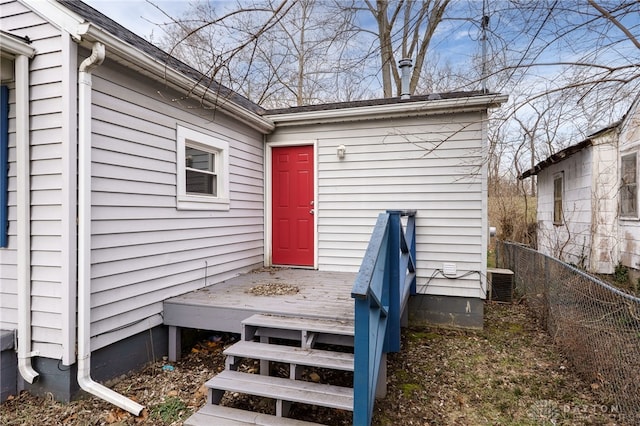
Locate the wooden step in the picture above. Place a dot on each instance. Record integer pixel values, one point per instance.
(315, 325)
(307, 330)
(218, 415)
(290, 355)
(280, 389)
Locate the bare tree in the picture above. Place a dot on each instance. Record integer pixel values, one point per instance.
(589, 50)
(570, 66)
(404, 30)
(277, 54)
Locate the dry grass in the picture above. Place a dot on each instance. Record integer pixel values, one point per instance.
(514, 217)
(509, 374)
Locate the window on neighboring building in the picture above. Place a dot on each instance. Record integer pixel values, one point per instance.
(4, 166)
(557, 199)
(202, 171)
(629, 185)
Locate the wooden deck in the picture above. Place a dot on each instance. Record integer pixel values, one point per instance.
(223, 306)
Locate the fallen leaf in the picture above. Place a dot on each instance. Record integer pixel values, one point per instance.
(144, 414)
(202, 392)
(71, 419)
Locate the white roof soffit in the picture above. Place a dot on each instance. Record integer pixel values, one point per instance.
(393, 110)
(81, 30)
(57, 14)
(12, 46)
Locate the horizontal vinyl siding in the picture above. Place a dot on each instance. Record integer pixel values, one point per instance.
(432, 164)
(604, 205)
(9, 255)
(46, 177)
(570, 243)
(144, 250)
(629, 229)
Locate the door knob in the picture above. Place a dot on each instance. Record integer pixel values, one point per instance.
(311, 211)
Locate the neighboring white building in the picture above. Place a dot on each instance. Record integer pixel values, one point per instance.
(122, 191)
(588, 199)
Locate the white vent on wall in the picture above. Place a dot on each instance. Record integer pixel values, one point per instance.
(449, 269)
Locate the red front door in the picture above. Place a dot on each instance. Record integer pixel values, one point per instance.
(292, 206)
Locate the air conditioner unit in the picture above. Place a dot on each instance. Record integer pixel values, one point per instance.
(500, 285)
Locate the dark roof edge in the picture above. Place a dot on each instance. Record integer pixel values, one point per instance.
(375, 102)
(567, 152)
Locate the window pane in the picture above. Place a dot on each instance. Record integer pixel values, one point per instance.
(629, 169)
(628, 200)
(198, 159)
(201, 183)
(629, 186)
(557, 200)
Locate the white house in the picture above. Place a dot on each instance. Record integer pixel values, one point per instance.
(122, 189)
(588, 199)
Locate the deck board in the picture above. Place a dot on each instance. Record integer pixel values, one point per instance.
(222, 306)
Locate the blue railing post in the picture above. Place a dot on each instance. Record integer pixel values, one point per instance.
(392, 283)
(4, 166)
(411, 235)
(361, 374)
(386, 278)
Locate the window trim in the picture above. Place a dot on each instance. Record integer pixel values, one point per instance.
(558, 221)
(190, 201)
(635, 214)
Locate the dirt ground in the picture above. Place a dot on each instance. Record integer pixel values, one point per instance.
(508, 374)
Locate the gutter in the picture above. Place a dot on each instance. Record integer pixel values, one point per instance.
(84, 238)
(23, 204)
(392, 110)
(160, 70)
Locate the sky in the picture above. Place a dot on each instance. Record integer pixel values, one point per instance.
(139, 16)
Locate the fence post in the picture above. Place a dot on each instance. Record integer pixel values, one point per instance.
(392, 282)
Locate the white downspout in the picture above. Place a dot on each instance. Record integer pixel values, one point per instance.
(23, 204)
(84, 238)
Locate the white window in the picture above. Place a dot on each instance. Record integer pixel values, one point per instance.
(202, 171)
(629, 186)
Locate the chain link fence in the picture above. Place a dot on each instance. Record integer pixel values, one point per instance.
(596, 325)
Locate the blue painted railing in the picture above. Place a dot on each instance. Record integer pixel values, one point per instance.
(386, 278)
(4, 166)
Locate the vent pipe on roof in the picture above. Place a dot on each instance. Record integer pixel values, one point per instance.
(405, 70)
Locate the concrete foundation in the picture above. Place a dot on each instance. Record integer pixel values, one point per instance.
(120, 358)
(8, 366)
(446, 311)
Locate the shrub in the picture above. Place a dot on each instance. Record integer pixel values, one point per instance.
(621, 274)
